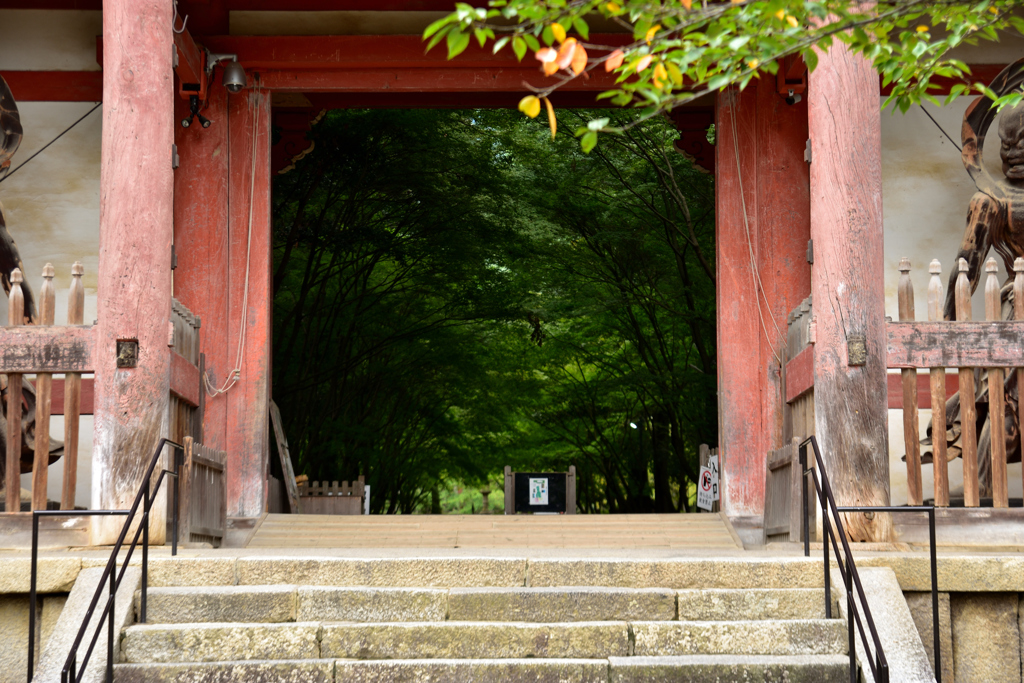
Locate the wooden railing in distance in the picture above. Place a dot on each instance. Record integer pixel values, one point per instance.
(44, 350)
(993, 345)
(783, 503)
(323, 498)
(203, 501)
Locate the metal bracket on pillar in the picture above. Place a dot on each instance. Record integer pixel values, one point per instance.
(856, 350)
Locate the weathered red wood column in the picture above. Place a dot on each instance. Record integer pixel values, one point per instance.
(248, 402)
(762, 275)
(136, 185)
(847, 284)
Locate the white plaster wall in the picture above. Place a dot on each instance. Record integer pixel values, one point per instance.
(52, 204)
(925, 196)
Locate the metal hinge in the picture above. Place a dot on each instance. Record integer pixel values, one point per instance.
(174, 156)
(174, 258)
(810, 251)
(807, 151)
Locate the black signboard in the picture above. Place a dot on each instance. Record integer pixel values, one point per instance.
(540, 491)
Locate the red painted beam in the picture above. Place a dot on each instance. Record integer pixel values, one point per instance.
(55, 86)
(994, 344)
(348, 5)
(924, 390)
(349, 52)
(800, 374)
(184, 379)
(52, 4)
(88, 389)
(442, 79)
(440, 100)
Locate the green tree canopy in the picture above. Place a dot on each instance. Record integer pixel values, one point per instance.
(679, 50)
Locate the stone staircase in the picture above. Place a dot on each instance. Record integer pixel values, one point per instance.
(484, 619)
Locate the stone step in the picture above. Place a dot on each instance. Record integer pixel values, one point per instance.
(165, 643)
(751, 604)
(467, 640)
(476, 640)
(782, 637)
(698, 669)
(561, 604)
(282, 603)
(730, 669)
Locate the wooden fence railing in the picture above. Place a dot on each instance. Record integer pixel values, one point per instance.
(986, 350)
(322, 498)
(800, 371)
(783, 494)
(202, 495)
(42, 350)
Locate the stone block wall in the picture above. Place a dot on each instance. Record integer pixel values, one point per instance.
(14, 611)
(981, 634)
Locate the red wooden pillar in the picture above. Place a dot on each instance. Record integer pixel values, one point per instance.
(847, 284)
(248, 402)
(136, 185)
(216, 187)
(762, 274)
(201, 243)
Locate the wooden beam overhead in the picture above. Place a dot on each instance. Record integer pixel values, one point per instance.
(55, 86)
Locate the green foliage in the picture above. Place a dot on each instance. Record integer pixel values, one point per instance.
(454, 293)
(682, 50)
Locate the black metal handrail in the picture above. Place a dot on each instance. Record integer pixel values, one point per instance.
(144, 497)
(848, 570)
(879, 666)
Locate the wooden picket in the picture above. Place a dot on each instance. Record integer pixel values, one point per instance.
(323, 498)
(932, 345)
(43, 350)
(202, 494)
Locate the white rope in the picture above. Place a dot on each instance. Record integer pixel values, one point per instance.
(236, 373)
(755, 273)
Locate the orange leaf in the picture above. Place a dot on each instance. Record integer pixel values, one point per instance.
(644, 62)
(551, 117)
(565, 53)
(614, 60)
(550, 68)
(660, 75)
(579, 60)
(687, 3)
(546, 54)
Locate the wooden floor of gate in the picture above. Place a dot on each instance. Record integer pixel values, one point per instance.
(495, 531)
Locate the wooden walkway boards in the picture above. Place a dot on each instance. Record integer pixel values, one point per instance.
(495, 531)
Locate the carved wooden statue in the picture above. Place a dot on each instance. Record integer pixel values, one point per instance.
(995, 220)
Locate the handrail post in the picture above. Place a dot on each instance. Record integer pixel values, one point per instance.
(936, 644)
(850, 607)
(32, 596)
(145, 555)
(178, 457)
(828, 568)
(804, 502)
(110, 629)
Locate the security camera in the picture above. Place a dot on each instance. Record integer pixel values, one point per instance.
(234, 74)
(234, 77)
(791, 99)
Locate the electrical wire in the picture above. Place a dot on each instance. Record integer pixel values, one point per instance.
(940, 128)
(755, 273)
(236, 373)
(19, 166)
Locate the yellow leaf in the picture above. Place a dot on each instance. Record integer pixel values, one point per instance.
(546, 54)
(613, 7)
(651, 33)
(565, 53)
(780, 15)
(579, 60)
(791, 20)
(558, 32)
(753, 63)
(614, 60)
(675, 74)
(551, 117)
(660, 75)
(921, 28)
(993, 10)
(530, 105)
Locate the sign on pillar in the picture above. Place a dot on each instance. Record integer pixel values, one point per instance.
(707, 484)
